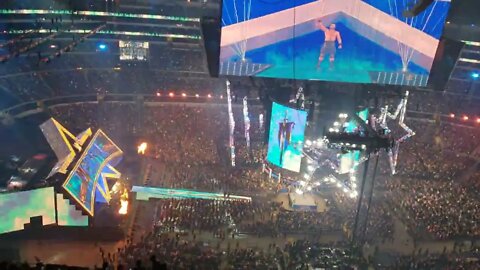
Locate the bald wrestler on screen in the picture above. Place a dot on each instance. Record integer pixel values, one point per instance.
(329, 46)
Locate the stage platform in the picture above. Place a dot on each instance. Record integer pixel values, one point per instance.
(305, 202)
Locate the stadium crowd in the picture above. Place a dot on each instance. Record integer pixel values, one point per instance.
(433, 193)
(188, 149)
(174, 131)
(178, 252)
(445, 215)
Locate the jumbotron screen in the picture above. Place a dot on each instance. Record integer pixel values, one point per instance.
(357, 41)
(86, 183)
(286, 137)
(17, 208)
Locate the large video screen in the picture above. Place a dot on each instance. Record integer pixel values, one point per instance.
(86, 183)
(17, 208)
(357, 41)
(286, 137)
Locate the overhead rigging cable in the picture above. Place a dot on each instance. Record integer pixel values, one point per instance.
(404, 50)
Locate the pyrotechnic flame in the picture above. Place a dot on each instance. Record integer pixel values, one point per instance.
(142, 148)
(123, 207)
(123, 203)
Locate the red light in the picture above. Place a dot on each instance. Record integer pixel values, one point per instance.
(184, 95)
(158, 94)
(221, 96)
(478, 120)
(209, 96)
(452, 115)
(465, 118)
(171, 94)
(197, 95)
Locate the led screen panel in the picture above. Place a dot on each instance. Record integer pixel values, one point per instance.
(350, 160)
(133, 50)
(286, 137)
(357, 41)
(88, 177)
(67, 215)
(146, 193)
(18, 207)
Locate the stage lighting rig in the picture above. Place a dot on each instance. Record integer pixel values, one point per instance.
(373, 134)
(358, 138)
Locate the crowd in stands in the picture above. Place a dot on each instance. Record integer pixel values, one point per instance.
(431, 189)
(445, 215)
(437, 151)
(380, 225)
(188, 149)
(73, 81)
(175, 69)
(178, 241)
(461, 257)
(205, 215)
(434, 192)
(176, 252)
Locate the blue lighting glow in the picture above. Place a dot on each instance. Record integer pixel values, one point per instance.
(475, 75)
(102, 46)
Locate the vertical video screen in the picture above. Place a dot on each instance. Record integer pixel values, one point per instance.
(286, 137)
(17, 208)
(84, 181)
(356, 41)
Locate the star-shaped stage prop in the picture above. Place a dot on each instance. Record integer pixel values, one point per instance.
(87, 181)
(383, 123)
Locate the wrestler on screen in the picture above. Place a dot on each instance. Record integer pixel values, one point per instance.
(329, 46)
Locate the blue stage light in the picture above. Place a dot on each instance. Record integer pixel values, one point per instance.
(102, 46)
(475, 75)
